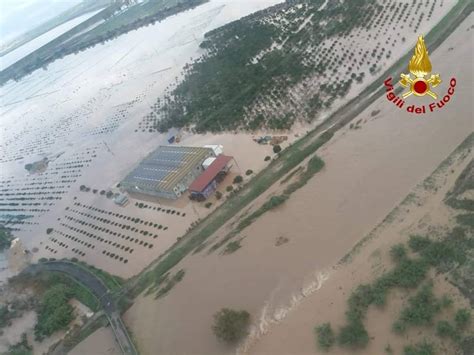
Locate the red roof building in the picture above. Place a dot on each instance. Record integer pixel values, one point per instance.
(205, 183)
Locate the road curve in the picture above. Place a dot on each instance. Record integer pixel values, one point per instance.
(98, 288)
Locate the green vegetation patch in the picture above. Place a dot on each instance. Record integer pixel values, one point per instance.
(54, 311)
(447, 254)
(230, 326)
(232, 247)
(113, 283)
(21, 348)
(463, 183)
(466, 219)
(170, 283)
(420, 310)
(423, 348)
(242, 65)
(5, 238)
(325, 336)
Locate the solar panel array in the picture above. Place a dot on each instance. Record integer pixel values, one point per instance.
(166, 167)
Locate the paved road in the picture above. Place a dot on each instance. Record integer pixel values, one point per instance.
(98, 288)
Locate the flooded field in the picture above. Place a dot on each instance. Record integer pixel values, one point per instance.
(368, 171)
(89, 131)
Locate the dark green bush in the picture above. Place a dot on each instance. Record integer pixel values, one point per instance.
(54, 312)
(419, 349)
(276, 149)
(446, 330)
(231, 326)
(462, 318)
(325, 336)
(232, 247)
(417, 242)
(238, 179)
(421, 309)
(398, 252)
(353, 335)
(274, 202)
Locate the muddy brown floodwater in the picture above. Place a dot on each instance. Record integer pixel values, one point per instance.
(368, 171)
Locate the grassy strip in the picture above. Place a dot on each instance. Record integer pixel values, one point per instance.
(113, 283)
(291, 157)
(83, 295)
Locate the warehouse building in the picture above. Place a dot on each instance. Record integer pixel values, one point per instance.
(206, 183)
(168, 171)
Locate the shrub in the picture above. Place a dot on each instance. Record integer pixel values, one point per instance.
(229, 188)
(208, 204)
(417, 243)
(358, 302)
(218, 195)
(231, 326)
(445, 301)
(102, 192)
(274, 202)
(267, 158)
(54, 311)
(232, 247)
(466, 219)
(408, 273)
(82, 187)
(421, 309)
(249, 172)
(109, 194)
(21, 348)
(445, 329)
(462, 318)
(42, 260)
(276, 149)
(94, 191)
(419, 349)
(325, 336)
(49, 230)
(353, 335)
(398, 252)
(238, 179)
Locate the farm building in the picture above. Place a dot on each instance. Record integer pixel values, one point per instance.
(206, 183)
(168, 171)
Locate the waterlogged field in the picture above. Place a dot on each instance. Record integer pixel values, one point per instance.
(36, 43)
(289, 254)
(83, 115)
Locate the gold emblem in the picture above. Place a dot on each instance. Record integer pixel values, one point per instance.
(420, 66)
